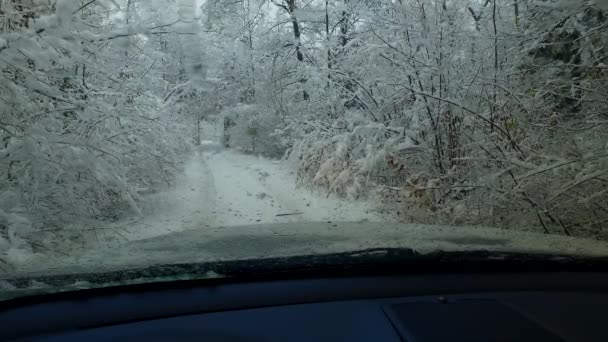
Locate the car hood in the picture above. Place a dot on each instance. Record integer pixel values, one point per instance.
(297, 239)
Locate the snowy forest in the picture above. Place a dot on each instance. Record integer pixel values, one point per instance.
(459, 112)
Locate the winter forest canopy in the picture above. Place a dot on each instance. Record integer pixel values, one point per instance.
(462, 112)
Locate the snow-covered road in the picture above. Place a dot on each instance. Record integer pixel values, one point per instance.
(250, 189)
(227, 188)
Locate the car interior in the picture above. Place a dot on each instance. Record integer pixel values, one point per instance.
(459, 306)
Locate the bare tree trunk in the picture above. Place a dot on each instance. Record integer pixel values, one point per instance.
(291, 9)
(198, 130)
(251, 92)
(494, 95)
(327, 37)
(516, 12)
(128, 15)
(344, 26)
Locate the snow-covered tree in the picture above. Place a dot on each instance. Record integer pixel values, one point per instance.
(459, 109)
(85, 123)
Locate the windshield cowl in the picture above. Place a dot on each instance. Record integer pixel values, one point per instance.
(376, 261)
(322, 248)
(315, 238)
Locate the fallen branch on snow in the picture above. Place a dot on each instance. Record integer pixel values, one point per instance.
(289, 214)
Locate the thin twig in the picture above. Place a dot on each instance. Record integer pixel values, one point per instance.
(289, 214)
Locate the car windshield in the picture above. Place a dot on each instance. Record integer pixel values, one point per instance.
(164, 131)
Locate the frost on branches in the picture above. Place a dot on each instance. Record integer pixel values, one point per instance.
(84, 123)
(458, 112)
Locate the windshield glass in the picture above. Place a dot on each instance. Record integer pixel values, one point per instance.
(165, 131)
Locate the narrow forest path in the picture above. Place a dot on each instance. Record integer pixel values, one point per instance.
(227, 188)
(216, 190)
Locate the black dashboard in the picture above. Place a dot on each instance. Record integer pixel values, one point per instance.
(560, 306)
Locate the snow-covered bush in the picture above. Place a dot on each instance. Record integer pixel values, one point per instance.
(81, 133)
(481, 118)
(453, 112)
